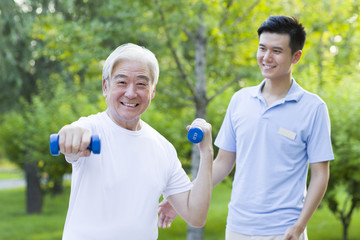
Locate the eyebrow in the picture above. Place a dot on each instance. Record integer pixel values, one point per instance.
(278, 48)
(121, 75)
(144, 77)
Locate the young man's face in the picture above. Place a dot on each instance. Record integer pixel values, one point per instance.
(129, 92)
(274, 56)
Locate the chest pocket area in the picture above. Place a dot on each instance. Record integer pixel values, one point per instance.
(290, 142)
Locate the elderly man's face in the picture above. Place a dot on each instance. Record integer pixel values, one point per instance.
(128, 93)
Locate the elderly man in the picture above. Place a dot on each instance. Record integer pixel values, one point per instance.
(115, 195)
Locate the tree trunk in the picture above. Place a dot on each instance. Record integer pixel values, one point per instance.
(58, 186)
(34, 200)
(201, 104)
(345, 231)
(346, 217)
(195, 233)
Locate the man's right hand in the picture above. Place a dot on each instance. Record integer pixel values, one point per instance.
(166, 214)
(73, 141)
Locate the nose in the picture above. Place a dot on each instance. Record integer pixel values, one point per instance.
(131, 91)
(267, 56)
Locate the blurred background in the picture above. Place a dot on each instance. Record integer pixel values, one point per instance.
(51, 57)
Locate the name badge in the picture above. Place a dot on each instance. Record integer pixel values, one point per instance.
(287, 133)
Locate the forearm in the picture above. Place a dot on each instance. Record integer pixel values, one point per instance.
(200, 195)
(316, 191)
(220, 172)
(223, 165)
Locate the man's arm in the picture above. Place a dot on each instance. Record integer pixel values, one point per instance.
(223, 165)
(221, 168)
(317, 187)
(193, 205)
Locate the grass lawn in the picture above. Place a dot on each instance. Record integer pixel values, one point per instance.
(15, 224)
(324, 225)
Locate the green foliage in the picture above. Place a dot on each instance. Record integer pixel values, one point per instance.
(25, 135)
(225, 37)
(14, 54)
(330, 52)
(344, 106)
(13, 129)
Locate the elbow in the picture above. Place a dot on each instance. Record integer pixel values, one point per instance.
(198, 222)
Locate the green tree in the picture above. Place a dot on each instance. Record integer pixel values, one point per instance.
(344, 171)
(331, 56)
(26, 71)
(25, 136)
(15, 56)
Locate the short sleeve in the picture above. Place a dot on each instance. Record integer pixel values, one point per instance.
(319, 146)
(226, 138)
(178, 180)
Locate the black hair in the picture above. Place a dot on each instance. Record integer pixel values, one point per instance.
(285, 25)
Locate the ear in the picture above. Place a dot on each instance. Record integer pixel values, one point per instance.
(104, 87)
(297, 56)
(153, 92)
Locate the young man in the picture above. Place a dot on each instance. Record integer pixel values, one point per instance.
(271, 132)
(114, 195)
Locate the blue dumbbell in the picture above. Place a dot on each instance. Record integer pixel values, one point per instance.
(195, 134)
(95, 144)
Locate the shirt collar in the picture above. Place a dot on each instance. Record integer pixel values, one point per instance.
(295, 92)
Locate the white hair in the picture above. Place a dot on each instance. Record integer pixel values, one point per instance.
(130, 51)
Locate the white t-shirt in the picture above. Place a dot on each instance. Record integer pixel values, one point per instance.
(115, 195)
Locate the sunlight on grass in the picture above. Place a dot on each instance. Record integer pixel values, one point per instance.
(9, 170)
(13, 174)
(49, 225)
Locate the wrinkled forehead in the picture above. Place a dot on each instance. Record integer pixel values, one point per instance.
(131, 68)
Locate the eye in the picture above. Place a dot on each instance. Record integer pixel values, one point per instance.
(120, 82)
(142, 83)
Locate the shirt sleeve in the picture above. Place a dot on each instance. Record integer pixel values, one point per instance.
(226, 138)
(178, 180)
(319, 146)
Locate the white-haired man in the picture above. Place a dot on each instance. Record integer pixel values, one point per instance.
(115, 195)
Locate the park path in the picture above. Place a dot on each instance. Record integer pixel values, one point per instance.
(12, 183)
(16, 183)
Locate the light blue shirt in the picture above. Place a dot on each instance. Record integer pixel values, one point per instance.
(274, 146)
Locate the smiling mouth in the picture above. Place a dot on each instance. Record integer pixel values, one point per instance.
(132, 105)
(267, 67)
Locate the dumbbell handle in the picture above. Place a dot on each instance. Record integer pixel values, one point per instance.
(95, 144)
(195, 134)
